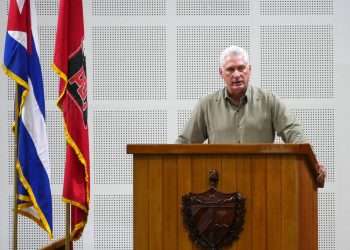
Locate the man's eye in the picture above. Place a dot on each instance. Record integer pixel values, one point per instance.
(241, 68)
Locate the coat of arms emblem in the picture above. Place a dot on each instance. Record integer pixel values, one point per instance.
(213, 219)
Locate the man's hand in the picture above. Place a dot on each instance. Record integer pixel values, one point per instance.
(321, 174)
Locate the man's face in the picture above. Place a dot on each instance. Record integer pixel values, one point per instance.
(235, 73)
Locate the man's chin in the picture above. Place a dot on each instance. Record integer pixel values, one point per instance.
(237, 89)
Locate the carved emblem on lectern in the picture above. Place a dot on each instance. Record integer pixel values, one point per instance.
(213, 219)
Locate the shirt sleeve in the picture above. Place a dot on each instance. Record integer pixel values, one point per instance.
(285, 123)
(195, 130)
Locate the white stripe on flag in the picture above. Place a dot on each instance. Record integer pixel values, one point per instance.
(19, 36)
(34, 122)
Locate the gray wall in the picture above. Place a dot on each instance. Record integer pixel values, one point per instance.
(148, 62)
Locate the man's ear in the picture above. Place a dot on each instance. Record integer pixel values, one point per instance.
(220, 71)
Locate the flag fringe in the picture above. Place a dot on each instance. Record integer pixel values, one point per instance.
(42, 222)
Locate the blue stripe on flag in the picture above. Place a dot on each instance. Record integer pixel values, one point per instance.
(35, 173)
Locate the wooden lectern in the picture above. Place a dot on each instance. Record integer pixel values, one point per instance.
(277, 180)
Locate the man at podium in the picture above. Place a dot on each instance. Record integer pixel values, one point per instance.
(240, 112)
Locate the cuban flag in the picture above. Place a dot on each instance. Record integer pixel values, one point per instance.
(22, 64)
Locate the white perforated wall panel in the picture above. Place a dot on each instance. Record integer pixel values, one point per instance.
(297, 61)
(113, 222)
(129, 62)
(296, 7)
(149, 61)
(127, 8)
(208, 7)
(327, 221)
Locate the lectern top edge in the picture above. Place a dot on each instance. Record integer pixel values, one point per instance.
(249, 149)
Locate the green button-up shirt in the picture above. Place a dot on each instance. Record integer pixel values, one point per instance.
(257, 119)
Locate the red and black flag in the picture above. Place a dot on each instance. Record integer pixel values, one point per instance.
(69, 64)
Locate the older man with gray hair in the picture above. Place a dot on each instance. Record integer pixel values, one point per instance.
(240, 112)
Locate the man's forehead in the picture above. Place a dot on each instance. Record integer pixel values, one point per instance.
(234, 60)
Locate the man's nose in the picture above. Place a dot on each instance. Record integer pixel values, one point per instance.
(236, 73)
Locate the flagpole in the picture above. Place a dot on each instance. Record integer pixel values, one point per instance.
(15, 214)
(67, 240)
(15, 179)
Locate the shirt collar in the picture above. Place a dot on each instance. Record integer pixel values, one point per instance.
(244, 99)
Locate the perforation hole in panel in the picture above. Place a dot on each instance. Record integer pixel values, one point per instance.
(31, 235)
(297, 61)
(10, 147)
(198, 52)
(57, 145)
(129, 62)
(182, 117)
(319, 128)
(113, 130)
(209, 7)
(113, 222)
(46, 7)
(129, 8)
(327, 221)
(47, 44)
(296, 7)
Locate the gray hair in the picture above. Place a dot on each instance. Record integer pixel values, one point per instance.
(234, 51)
